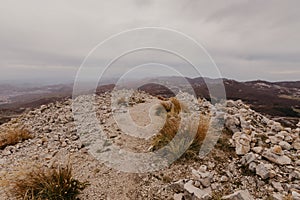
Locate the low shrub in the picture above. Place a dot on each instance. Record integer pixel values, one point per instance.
(13, 136)
(185, 134)
(47, 184)
(172, 106)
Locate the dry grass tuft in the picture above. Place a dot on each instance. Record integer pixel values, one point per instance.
(202, 127)
(171, 128)
(13, 136)
(176, 106)
(173, 106)
(167, 105)
(46, 183)
(167, 133)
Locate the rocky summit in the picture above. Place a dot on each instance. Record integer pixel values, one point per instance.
(254, 157)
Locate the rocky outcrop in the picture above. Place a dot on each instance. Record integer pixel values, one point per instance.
(267, 157)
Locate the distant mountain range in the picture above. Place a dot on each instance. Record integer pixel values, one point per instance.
(276, 99)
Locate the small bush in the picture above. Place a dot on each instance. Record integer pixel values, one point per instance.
(167, 133)
(12, 137)
(171, 128)
(46, 183)
(176, 106)
(167, 105)
(203, 127)
(173, 106)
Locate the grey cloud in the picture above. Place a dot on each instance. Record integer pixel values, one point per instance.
(239, 34)
(282, 58)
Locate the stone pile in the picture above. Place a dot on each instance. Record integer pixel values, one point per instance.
(265, 162)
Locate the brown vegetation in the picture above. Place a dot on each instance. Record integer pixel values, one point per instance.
(186, 133)
(13, 136)
(46, 183)
(173, 106)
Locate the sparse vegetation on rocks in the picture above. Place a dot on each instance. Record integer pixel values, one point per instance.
(47, 183)
(13, 136)
(254, 158)
(199, 127)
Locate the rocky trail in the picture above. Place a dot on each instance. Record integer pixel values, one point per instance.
(255, 157)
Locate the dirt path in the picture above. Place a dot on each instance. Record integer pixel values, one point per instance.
(107, 183)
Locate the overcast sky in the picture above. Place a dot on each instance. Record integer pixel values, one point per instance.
(48, 40)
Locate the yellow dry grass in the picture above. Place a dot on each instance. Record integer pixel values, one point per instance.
(171, 128)
(13, 136)
(39, 183)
